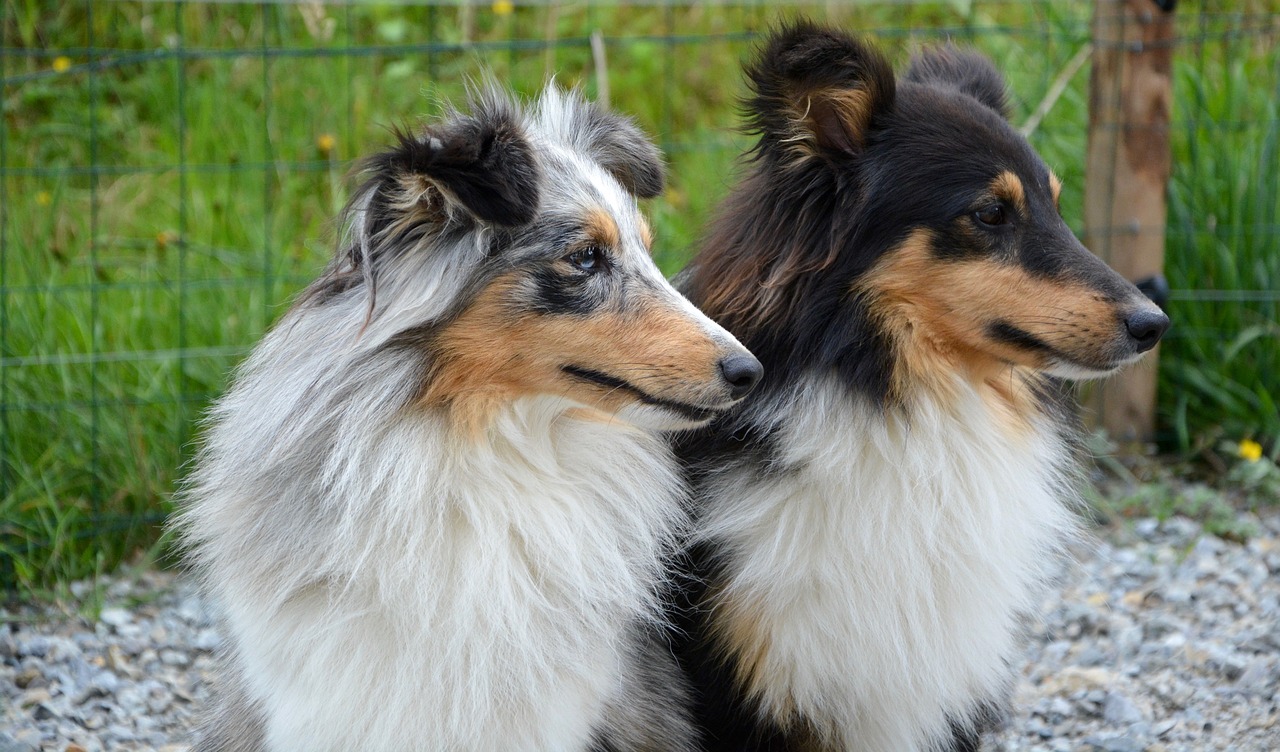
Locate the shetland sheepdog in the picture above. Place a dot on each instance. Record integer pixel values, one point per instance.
(876, 520)
(435, 507)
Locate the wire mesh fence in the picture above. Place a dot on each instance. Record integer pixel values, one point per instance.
(169, 173)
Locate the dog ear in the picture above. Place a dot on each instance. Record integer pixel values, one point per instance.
(963, 70)
(817, 90)
(482, 163)
(618, 145)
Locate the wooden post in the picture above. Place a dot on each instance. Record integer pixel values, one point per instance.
(1126, 172)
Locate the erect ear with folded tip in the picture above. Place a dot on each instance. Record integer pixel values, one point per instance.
(619, 146)
(816, 91)
(482, 163)
(963, 70)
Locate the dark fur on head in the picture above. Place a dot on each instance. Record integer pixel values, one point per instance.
(816, 95)
(811, 87)
(483, 162)
(963, 70)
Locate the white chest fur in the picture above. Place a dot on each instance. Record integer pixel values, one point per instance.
(874, 586)
(425, 591)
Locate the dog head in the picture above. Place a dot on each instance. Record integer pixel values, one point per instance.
(505, 247)
(919, 216)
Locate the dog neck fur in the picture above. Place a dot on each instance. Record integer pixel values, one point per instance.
(927, 568)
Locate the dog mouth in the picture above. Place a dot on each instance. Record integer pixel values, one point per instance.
(1059, 362)
(693, 413)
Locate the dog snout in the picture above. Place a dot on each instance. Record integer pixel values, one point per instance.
(1145, 327)
(742, 372)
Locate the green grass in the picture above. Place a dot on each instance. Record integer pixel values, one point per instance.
(1220, 367)
(161, 211)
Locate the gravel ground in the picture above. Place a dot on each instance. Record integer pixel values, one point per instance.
(1163, 638)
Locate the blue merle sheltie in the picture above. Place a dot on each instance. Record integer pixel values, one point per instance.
(435, 507)
(876, 520)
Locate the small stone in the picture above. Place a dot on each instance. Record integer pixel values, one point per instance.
(1258, 675)
(28, 678)
(35, 697)
(1114, 743)
(115, 617)
(207, 640)
(44, 712)
(1061, 708)
(8, 646)
(118, 733)
(105, 682)
(61, 650)
(1120, 710)
(10, 743)
(34, 646)
(1160, 728)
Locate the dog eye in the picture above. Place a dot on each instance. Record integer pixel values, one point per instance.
(588, 259)
(991, 216)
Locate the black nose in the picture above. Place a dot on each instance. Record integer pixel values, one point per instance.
(742, 372)
(1146, 327)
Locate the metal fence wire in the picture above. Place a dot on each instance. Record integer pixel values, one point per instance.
(170, 171)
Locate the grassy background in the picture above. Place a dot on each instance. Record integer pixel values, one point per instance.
(169, 173)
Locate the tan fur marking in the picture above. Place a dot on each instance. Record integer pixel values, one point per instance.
(600, 226)
(739, 631)
(833, 118)
(490, 356)
(646, 233)
(1055, 187)
(937, 314)
(418, 201)
(1008, 186)
(741, 634)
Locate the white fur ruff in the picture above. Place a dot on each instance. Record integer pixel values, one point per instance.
(889, 561)
(395, 585)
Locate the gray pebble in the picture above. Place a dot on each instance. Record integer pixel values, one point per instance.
(115, 617)
(1120, 710)
(105, 682)
(1155, 620)
(33, 645)
(1115, 743)
(10, 743)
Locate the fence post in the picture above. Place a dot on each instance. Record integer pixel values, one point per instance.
(1126, 171)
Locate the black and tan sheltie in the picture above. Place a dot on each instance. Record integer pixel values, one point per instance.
(434, 508)
(877, 519)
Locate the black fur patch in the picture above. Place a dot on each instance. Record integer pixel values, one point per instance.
(692, 412)
(556, 292)
(1003, 331)
(483, 161)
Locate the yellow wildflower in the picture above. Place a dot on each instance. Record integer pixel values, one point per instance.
(1251, 450)
(44, 198)
(503, 7)
(61, 64)
(325, 143)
